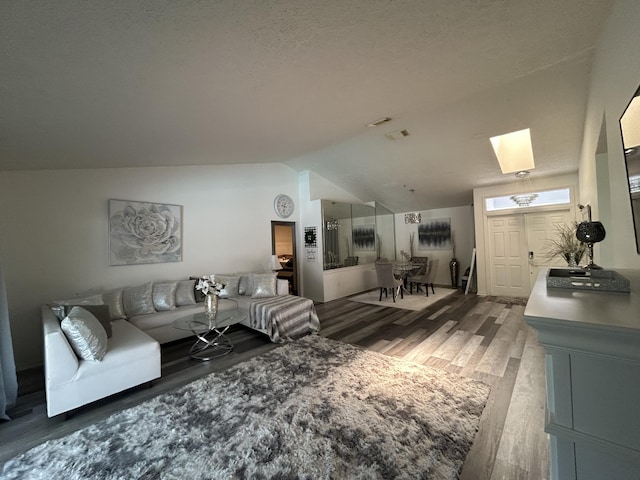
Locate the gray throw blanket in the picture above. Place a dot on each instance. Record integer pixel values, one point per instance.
(284, 317)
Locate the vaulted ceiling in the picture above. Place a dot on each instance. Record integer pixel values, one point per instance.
(89, 84)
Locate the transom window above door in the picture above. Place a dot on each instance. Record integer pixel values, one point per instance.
(560, 196)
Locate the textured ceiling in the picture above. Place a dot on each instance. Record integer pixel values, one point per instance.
(87, 84)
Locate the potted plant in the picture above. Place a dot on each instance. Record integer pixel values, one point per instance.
(566, 245)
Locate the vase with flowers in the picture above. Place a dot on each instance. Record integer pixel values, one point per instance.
(566, 245)
(211, 290)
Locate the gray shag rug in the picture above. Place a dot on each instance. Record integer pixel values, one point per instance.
(310, 409)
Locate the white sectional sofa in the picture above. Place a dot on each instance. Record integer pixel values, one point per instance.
(141, 318)
(159, 324)
(132, 358)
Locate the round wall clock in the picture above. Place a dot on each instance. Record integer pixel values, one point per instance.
(283, 205)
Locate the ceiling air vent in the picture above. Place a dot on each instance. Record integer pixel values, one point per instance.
(397, 135)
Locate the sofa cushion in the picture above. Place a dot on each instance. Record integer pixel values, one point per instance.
(113, 298)
(90, 300)
(102, 313)
(138, 300)
(198, 295)
(161, 319)
(231, 285)
(244, 287)
(264, 285)
(184, 293)
(164, 296)
(85, 333)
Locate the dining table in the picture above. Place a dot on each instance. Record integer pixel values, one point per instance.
(402, 269)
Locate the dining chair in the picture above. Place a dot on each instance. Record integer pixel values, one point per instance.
(421, 268)
(426, 280)
(386, 280)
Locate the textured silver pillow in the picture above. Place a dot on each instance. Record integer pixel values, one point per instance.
(264, 285)
(231, 285)
(138, 300)
(113, 298)
(164, 295)
(184, 293)
(86, 335)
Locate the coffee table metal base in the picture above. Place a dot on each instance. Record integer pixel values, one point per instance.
(211, 344)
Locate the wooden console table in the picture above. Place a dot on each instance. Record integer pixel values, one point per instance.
(592, 346)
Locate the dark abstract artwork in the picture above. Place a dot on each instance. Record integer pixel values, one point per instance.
(364, 237)
(434, 234)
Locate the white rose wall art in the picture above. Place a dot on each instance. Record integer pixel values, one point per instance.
(142, 232)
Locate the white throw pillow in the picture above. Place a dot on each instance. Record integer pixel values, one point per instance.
(86, 334)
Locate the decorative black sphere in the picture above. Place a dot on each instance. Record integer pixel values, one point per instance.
(590, 232)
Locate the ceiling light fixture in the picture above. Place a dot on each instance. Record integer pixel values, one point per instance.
(380, 121)
(514, 151)
(526, 198)
(412, 217)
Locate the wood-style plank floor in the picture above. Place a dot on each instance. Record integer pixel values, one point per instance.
(484, 338)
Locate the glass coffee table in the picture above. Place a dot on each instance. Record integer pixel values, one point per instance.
(211, 339)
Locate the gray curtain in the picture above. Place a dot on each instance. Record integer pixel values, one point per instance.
(8, 377)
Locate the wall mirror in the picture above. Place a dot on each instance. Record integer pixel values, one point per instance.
(630, 127)
(355, 234)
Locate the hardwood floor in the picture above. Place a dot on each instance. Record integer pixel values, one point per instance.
(484, 338)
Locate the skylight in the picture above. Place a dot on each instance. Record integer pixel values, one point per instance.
(514, 151)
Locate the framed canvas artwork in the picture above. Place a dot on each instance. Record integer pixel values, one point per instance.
(364, 237)
(144, 232)
(434, 234)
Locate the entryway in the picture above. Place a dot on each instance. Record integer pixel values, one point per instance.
(517, 249)
(283, 244)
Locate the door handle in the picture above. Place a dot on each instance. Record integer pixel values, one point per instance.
(530, 255)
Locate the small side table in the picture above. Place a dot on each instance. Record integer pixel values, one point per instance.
(211, 339)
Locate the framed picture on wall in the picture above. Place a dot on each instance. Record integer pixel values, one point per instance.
(364, 237)
(434, 234)
(144, 232)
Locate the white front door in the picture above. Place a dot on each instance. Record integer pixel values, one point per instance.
(508, 256)
(517, 245)
(540, 227)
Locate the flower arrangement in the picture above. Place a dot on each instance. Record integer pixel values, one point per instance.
(566, 245)
(207, 284)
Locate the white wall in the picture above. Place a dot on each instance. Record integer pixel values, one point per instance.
(615, 78)
(54, 241)
(462, 232)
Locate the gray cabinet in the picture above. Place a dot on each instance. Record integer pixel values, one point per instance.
(592, 346)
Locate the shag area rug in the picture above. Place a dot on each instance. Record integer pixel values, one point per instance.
(311, 409)
(417, 301)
